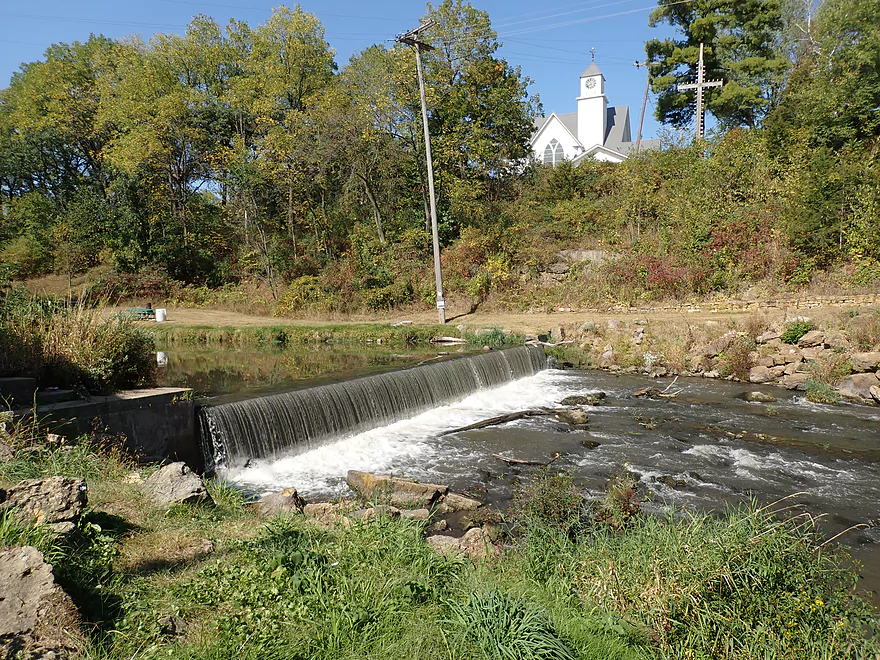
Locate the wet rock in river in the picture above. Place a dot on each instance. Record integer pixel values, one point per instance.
(672, 482)
(584, 400)
(759, 397)
(575, 417)
(591, 444)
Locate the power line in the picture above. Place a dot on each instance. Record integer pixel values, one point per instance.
(269, 11)
(504, 24)
(96, 21)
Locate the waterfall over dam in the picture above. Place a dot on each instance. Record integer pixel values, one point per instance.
(295, 422)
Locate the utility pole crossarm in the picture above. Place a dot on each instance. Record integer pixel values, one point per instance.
(411, 38)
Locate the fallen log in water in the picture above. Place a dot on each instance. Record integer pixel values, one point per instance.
(519, 461)
(503, 419)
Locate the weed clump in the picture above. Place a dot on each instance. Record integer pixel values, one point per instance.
(820, 392)
(621, 502)
(736, 360)
(549, 499)
(794, 330)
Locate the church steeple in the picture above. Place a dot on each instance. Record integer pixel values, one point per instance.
(592, 107)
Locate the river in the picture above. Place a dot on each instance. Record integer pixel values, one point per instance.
(704, 448)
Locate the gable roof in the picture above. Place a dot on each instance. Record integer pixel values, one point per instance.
(596, 148)
(591, 70)
(568, 121)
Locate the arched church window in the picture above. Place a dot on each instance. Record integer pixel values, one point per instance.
(553, 153)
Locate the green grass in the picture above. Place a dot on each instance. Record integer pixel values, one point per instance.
(289, 335)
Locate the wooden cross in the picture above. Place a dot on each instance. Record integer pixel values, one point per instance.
(701, 85)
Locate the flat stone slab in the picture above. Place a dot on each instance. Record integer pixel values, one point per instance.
(398, 492)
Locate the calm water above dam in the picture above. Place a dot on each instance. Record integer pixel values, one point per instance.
(704, 448)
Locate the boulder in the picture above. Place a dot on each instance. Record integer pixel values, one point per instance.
(813, 353)
(865, 361)
(760, 375)
(53, 501)
(443, 544)
(476, 543)
(607, 358)
(795, 381)
(792, 355)
(454, 502)
(812, 338)
(583, 400)
(792, 368)
(37, 619)
(325, 513)
(415, 514)
(377, 512)
(6, 452)
(284, 501)
(838, 339)
(768, 336)
(171, 625)
(875, 392)
(719, 345)
(766, 361)
(858, 387)
(574, 417)
(176, 484)
(398, 492)
(558, 268)
(759, 397)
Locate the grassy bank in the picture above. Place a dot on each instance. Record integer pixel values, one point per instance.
(72, 346)
(290, 335)
(575, 580)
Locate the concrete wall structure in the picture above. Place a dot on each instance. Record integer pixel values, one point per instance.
(158, 423)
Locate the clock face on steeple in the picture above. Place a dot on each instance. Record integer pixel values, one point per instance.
(589, 83)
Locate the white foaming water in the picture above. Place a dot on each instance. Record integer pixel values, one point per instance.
(409, 447)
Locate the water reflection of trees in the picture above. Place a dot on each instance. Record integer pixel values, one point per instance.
(215, 372)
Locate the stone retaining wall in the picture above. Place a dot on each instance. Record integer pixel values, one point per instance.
(716, 306)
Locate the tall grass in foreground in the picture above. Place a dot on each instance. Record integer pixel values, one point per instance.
(744, 585)
(72, 345)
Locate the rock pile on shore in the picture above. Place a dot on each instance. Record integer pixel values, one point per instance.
(829, 357)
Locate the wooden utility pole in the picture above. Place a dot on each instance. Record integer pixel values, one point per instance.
(700, 86)
(411, 39)
(639, 65)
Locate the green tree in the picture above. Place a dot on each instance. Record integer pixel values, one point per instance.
(833, 97)
(743, 47)
(480, 112)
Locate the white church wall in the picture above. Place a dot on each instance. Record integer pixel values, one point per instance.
(554, 130)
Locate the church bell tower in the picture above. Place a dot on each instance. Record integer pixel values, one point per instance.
(592, 112)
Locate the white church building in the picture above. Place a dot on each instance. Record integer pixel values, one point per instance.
(595, 131)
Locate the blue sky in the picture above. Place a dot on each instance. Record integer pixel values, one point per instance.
(550, 40)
